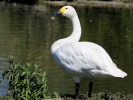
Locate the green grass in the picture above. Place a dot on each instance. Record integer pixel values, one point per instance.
(102, 96)
(95, 96)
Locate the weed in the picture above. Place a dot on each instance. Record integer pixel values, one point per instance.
(27, 82)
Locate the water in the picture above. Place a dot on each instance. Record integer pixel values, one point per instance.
(27, 32)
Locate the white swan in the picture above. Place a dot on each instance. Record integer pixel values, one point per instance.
(82, 59)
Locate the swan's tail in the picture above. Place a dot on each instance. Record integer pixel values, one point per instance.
(116, 72)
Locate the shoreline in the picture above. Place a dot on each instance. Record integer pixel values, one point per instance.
(118, 4)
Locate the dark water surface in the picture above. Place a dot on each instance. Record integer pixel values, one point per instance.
(27, 32)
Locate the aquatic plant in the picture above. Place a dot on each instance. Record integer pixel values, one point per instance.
(27, 82)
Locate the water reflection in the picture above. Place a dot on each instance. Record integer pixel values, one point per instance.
(27, 32)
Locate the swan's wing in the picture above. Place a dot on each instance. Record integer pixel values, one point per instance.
(85, 58)
(81, 54)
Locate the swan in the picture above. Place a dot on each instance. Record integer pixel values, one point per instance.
(82, 59)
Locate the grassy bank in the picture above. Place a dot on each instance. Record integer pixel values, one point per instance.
(102, 96)
(95, 96)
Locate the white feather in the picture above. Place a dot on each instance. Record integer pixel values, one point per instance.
(82, 59)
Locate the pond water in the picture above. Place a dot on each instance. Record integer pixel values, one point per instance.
(28, 31)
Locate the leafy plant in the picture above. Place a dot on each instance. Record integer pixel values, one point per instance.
(27, 82)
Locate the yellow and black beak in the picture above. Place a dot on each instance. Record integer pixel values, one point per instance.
(57, 12)
(60, 11)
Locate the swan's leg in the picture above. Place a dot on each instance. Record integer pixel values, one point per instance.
(90, 88)
(77, 85)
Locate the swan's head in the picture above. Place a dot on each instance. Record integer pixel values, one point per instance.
(67, 11)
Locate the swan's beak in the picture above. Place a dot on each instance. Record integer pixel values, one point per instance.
(57, 12)
(60, 11)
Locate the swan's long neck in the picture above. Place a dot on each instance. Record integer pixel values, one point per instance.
(76, 33)
(74, 37)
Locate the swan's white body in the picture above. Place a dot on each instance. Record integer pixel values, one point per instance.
(82, 59)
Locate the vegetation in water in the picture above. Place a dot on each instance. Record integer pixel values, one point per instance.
(26, 82)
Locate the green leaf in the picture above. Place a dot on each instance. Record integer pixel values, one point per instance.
(23, 73)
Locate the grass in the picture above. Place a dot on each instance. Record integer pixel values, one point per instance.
(95, 96)
(101, 96)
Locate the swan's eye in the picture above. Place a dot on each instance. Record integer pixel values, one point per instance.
(66, 8)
